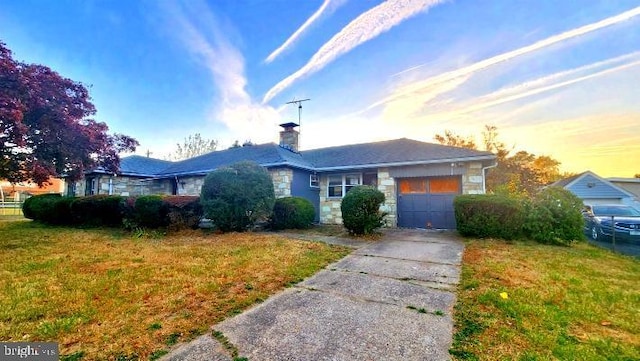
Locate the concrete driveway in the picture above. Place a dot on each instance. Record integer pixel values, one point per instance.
(390, 299)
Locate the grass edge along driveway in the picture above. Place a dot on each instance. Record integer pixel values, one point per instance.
(528, 301)
(103, 294)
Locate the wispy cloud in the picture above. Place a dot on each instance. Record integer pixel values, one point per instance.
(326, 7)
(364, 28)
(549, 82)
(443, 80)
(200, 30)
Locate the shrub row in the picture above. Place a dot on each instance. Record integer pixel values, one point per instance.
(553, 215)
(172, 212)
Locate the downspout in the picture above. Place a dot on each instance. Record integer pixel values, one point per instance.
(484, 176)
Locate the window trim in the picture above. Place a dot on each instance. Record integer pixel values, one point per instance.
(344, 184)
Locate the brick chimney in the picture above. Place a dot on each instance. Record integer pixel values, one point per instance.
(289, 136)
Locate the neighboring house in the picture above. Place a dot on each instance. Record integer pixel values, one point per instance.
(419, 180)
(631, 185)
(593, 189)
(19, 191)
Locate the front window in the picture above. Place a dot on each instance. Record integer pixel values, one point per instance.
(339, 185)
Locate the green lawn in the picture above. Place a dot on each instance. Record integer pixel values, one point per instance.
(562, 303)
(103, 294)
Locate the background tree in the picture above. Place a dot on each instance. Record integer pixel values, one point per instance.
(637, 175)
(449, 138)
(194, 145)
(45, 129)
(520, 174)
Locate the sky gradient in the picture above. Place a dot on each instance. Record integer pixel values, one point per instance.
(558, 78)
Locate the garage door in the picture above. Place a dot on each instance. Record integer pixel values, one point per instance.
(427, 202)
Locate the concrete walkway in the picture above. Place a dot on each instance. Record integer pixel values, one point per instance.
(390, 299)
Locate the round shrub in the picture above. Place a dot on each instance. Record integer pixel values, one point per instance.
(237, 196)
(554, 216)
(292, 213)
(361, 210)
(488, 216)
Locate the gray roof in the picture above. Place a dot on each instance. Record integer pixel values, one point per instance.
(268, 155)
(565, 181)
(356, 156)
(391, 152)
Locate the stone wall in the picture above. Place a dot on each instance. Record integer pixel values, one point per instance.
(190, 186)
(125, 186)
(282, 178)
(330, 212)
(387, 185)
(472, 179)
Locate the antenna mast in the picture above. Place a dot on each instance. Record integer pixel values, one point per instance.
(299, 102)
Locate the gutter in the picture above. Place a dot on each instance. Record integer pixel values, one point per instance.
(398, 164)
(484, 176)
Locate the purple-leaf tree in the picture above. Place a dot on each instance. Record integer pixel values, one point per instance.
(45, 126)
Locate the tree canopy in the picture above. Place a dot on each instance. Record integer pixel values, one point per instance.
(518, 173)
(45, 129)
(193, 146)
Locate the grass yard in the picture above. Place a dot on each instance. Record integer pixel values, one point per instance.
(103, 294)
(562, 303)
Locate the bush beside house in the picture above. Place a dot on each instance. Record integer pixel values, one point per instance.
(237, 196)
(553, 215)
(292, 213)
(483, 216)
(361, 210)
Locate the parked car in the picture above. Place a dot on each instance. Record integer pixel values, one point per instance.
(599, 219)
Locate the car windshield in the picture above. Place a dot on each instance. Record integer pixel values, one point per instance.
(615, 211)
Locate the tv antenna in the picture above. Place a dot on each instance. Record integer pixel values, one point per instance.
(299, 102)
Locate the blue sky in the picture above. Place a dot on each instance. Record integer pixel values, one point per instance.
(557, 78)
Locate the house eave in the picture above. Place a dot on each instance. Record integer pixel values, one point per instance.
(409, 163)
(205, 172)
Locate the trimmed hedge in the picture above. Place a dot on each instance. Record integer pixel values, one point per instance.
(361, 210)
(183, 212)
(486, 216)
(49, 208)
(292, 213)
(98, 210)
(172, 212)
(150, 212)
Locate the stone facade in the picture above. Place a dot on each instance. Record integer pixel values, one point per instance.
(472, 179)
(123, 186)
(387, 185)
(329, 207)
(282, 178)
(190, 186)
(330, 212)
